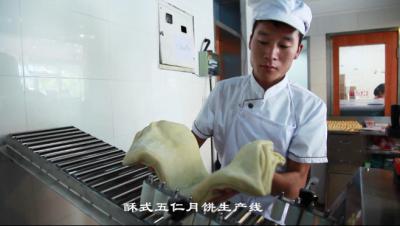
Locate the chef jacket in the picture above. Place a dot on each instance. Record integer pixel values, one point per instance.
(239, 111)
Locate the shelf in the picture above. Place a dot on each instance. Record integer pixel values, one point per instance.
(343, 132)
(361, 132)
(373, 132)
(383, 152)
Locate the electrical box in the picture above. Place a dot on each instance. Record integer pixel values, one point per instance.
(176, 32)
(208, 63)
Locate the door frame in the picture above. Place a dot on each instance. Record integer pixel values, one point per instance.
(395, 96)
(224, 45)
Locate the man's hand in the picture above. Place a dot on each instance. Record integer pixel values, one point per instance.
(222, 195)
(292, 181)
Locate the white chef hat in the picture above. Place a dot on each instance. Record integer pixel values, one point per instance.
(292, 12)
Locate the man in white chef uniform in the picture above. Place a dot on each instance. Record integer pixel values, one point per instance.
(266, 105)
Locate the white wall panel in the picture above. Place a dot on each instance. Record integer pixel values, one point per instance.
(42, 103)
(95, 8)
(318, 47)
(388, 17)
(319, 80)
(61, 43)
(10, 45)
(133, 56)
(138, 15)
(12, 110)
(133, 109)
(54, 102)
(340, 23)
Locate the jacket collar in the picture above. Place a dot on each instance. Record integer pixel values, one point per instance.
(259, 91)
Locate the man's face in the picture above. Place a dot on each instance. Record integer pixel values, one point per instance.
(273, 49)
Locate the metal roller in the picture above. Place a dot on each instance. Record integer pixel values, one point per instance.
(46, 138)
(89, 158)
(60, 150)
(135, 199)
(131, 181)
(54, 139)
(244, 217)
(93, 163)
(106, 174)
(26, 135)
(64, 143)
(155, 218)
(82, 152)
(234, 216)
(97, 169)
(127, 192)
(129, 173)
(252, 219)
(263, 221)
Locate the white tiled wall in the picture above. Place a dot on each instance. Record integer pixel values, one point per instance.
(94, 64)
(10, 51)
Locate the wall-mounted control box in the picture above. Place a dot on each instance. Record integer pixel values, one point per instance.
(176, 32)
(208, 63)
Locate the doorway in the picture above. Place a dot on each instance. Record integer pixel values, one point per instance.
(228, 38)
(364, 73)
(228, 47)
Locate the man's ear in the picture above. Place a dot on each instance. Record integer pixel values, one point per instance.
(251, 37)
(299, 49)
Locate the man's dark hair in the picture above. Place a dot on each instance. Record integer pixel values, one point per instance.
(379, 90)
(277, 24)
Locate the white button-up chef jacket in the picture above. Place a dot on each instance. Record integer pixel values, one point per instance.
(239, 111)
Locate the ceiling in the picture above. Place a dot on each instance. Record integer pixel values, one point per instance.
(329, 7)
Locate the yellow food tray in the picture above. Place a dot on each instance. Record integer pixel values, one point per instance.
(344, 125)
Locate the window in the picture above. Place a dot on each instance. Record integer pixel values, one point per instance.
(363, 66)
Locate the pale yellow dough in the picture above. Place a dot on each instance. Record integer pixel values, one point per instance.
(250, 172)
(172, 150)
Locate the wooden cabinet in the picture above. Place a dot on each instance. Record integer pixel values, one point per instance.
(346, 148)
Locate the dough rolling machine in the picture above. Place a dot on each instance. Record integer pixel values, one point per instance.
(88, 173)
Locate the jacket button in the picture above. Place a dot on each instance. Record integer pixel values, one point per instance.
(250, 105)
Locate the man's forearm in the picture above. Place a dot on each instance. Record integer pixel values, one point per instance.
(290, 183)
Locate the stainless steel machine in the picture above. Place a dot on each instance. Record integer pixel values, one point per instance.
(371, 198)
(65, 176)
(79, 167)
